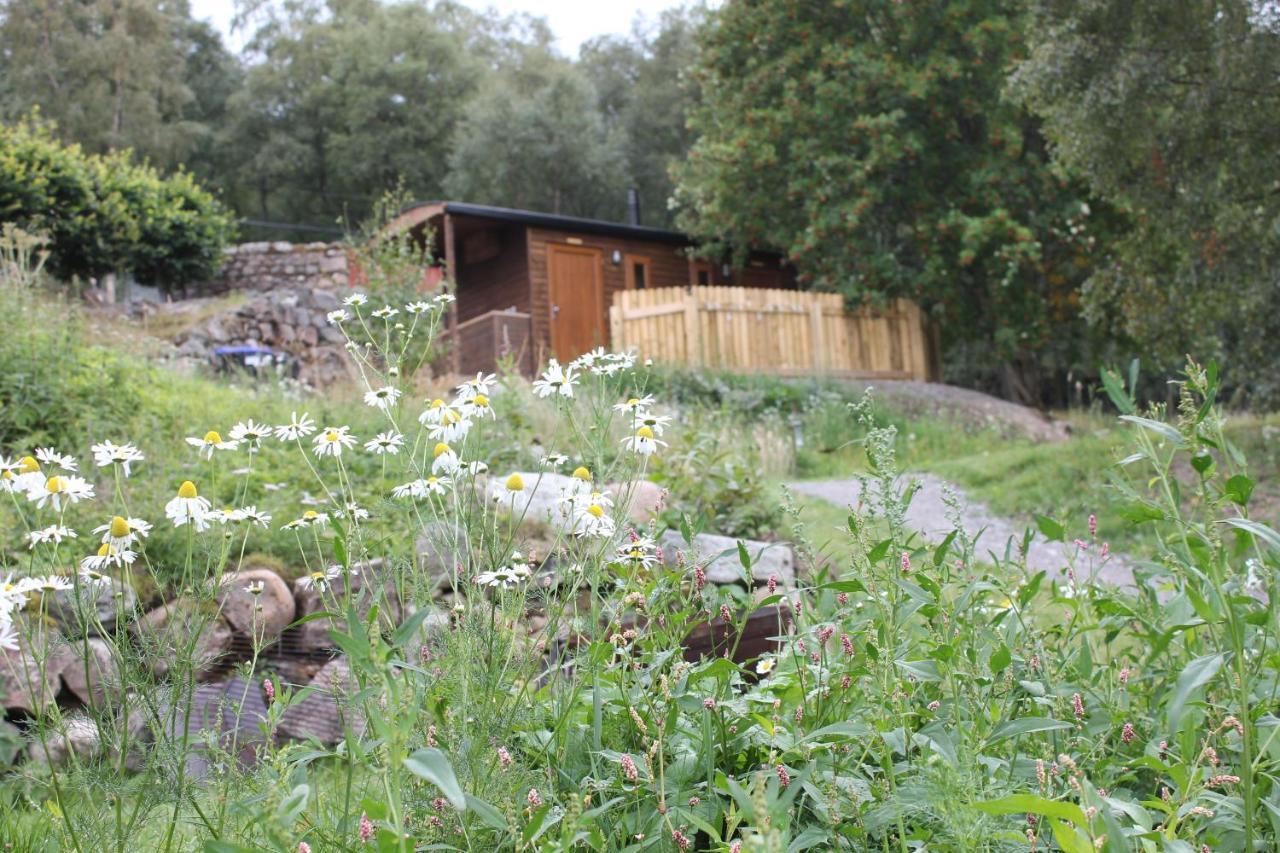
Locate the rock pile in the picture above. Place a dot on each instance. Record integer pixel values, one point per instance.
(269, 266)
(291, 320)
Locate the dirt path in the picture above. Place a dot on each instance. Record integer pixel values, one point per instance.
(928, 515)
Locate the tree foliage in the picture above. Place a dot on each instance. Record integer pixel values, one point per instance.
(869, 140)
(107, 213)
(1172, 111)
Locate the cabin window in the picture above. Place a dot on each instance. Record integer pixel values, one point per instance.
(637, 272)
(700, 274)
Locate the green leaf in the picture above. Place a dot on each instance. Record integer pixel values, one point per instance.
(225, 847)
(1001, 658)
(1166, 431)
(1197, 674)
(1239, 489)
(744, 558)
(878, 552)
(1024, 803)
(923, 670)
(1138, 512)
(1258, 529)
(433, 765)
(1025, 726)
(1050, 529)
(488, 815)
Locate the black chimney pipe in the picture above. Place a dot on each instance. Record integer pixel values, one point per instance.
(633, 206)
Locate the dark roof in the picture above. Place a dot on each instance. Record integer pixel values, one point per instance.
(563, 223)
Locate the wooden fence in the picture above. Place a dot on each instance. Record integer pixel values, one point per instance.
(786, 332)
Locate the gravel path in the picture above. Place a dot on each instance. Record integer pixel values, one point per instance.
(927, 514)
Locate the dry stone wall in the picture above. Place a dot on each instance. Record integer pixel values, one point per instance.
(268, 266)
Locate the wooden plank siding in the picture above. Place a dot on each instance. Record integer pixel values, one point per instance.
(495, 283)
(765, 330)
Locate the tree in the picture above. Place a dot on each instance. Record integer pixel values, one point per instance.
(533, 138)
(869, 140)
(110, 73)
(1172, 111)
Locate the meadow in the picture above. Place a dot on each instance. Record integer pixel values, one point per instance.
(535, 694)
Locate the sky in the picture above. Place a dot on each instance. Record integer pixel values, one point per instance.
(573, 21)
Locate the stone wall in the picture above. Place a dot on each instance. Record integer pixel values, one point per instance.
(268, 266)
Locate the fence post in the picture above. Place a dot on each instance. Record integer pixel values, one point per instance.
(692, 327)
(617, 338)
(817, 335)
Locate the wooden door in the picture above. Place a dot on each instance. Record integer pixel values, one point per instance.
(577, 300)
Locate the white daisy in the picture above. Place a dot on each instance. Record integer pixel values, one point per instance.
(109, 453)
(588, 359)
(226, 515)
(253, 433)
(453, 428)
(48, 583)
(319, 581)
(657, 423)
(49, 456)
(472, 468)
(307, 519)
(297, 428)
(332, 441)
(434, 411)
(253, 515)
(593, 520)
(555, 380)
(445, 461)
(385, 442)
(442, 299)
(509, 491)
(764, 666)
(635, 404)
(122, 532)
(255, 587)
(504, 577)
(386, 312)
(25, 477)
(643, 442)
(60, 490)
(8, 638)
(639, 552)
(54, 533)
(212, 441)
(351, 510)
(355, 300)
(553, 460)
(188, 506)
(382, 398)
(468, 390)
(108, 555)
(337, 318)
(580, 483)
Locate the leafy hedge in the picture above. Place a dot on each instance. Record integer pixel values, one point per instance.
(106, 213)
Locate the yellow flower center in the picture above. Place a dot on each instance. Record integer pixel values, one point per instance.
(515, 483)
(450, 417)
(7, 475)
(431, 481)
(310, 514)
(582, 473)
(441, 449)
(28, 465)
(317, 576)
(633, 402)
(481, 400)
(331, 435)
(596, 510)
(212, 437)
(55, 484)
(119, 527)
(437, 403)
(187, 490)
(106, 550)
(644, 432)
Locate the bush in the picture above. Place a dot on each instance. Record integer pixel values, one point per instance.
(106, 214)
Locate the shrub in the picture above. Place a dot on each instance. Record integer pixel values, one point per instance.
(108, 213)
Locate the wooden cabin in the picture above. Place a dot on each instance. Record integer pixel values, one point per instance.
(532, 285)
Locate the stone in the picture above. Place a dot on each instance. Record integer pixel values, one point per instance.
(261, 617)
(225, 725)
(168, 628)
(325, 713)
(313, 635)
(333, 263)
(309, 335)
(439, 547)
(641, 500)
(104, 605)
(76, 734)
(94, 682)
(724, 566)
(23, 686)
(540, 500)
(325, 300)
(11, 743)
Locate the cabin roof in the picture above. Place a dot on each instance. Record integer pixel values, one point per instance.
(420, 211)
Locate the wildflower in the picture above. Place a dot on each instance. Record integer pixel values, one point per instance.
(366, 828)
(54, 533)
(307, 519)
(512, 489)
(643, 442)
(681, 840)
(764, 666)
(1200, 811)
(555, 380)
(1081, 544)
(415, 308)
(386, 312)
(1210, 755)
(108, 453)
(1077, 704)
(385, 442)
(635, 404)
(382, 398)
(553, 460)
(48, 583)
(108, 555)
(188, 506)
(450, 426)
(355, 300)
(639, 552)
(472, 468)
(784, 778)
(212, 441)
(8, 637)
(445, 461)
(504, 757)
(253, 515)
(478, 406)
(251, 433)
(269, 690)
(736, 846)
(59, 490)
(1106, 549)
(479, 386)
(657, 423)
(297, 428)
(533, 798)
(846, 643)
(709, 703)
(593, 521)
(1230, 722)
(338, 317)
(226, 515)
(1223, 779)
(49, 456)
(906, 562)
(332, 441)
(1093, 526)
(629, 770)
(255, 588)
(505, 577)
(319, 580)
(1127, 734)
(1124, 676)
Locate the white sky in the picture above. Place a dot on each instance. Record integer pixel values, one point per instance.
(573, 21)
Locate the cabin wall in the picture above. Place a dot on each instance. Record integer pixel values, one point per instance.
(669, 266)
(494, 283)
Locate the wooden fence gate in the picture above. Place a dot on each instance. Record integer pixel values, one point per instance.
(785, 332)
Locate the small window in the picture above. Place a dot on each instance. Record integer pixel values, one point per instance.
(637, 270)
(704, 278)
(700, 273)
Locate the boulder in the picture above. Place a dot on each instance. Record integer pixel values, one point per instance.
(324, 714)
(93, 678)
(263, 616)
(23, 685)
(313, 636)
(540, 500)
(767, 558)
(102, 605)
(11, 743)
(224, 726)
(76, 734)
(440, 547)
(641, 500)
(168, 629)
